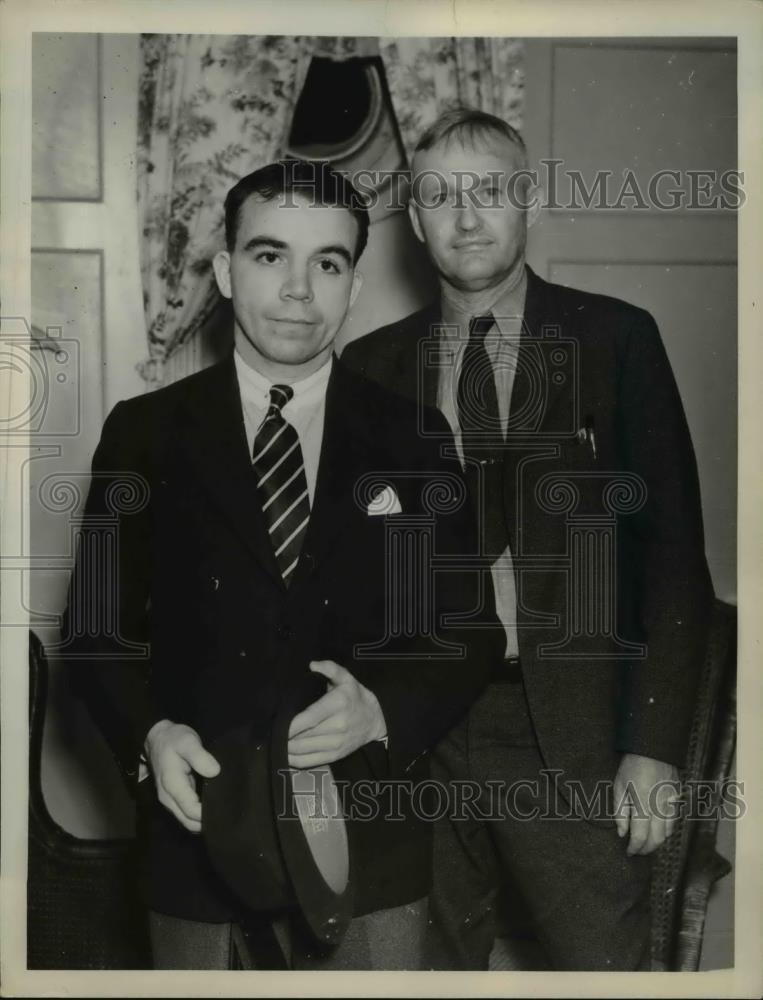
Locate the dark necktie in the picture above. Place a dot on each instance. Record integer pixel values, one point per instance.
(281, 482)
(482, 435)
(477, 400)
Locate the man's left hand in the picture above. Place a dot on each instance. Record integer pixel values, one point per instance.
(347, 717)
(646, 791)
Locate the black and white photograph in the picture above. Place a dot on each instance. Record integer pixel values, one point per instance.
(380, 498)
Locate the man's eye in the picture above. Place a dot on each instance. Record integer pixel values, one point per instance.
(328, 266)
(431, 197)
(268, 257)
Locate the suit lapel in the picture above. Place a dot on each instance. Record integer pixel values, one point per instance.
(428, 374)
(214, 441)
(415, 375)
(537, 393)
(537, 396)
(346, 453)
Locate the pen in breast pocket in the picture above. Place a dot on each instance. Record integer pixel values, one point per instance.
(590, 434)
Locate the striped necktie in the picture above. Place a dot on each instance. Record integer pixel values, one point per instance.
(281, 482)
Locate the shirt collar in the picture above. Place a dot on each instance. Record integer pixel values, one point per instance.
(507, 310)
(257, 387)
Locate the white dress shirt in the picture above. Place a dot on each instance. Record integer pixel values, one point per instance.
(305, 411)
(502, 346)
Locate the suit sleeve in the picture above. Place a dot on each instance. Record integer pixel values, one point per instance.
(664, 546)
(105, 623)
(422, 690)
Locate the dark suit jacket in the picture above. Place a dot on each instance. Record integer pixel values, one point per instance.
(590, 360)
(198, 582)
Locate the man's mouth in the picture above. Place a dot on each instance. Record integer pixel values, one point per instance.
(472, 244)
(292, 320)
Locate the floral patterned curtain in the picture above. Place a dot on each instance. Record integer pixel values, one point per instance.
(426, 76)
(212, 109)
(215, 107)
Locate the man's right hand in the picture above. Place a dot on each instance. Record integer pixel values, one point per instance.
(174, 753)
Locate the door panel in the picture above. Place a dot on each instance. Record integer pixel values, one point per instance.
(650, 105)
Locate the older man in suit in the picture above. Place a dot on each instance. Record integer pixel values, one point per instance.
(255, 559)
(571, 430)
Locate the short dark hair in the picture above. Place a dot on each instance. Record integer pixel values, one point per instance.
(468, 125)
(315, 180)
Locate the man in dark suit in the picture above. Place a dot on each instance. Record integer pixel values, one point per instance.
(570, 426)
(249, 555)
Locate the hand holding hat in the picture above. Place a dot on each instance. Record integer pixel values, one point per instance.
(345, 718)
(175, 753)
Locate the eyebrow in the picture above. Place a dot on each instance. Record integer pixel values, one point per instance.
(276, 244)
(266, 241)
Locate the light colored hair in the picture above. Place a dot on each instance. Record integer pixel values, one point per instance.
(470, 127)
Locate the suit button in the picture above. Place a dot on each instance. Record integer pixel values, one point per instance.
(284, 632)
(214, 582)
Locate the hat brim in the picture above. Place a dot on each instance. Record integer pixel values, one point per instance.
(277, 835)
(313, 837)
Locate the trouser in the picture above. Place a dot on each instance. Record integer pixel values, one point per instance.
(587, 901)
(390, 939)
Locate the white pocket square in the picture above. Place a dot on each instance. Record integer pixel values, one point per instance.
(385, 502)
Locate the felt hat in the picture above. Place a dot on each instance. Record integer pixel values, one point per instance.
(276, 835)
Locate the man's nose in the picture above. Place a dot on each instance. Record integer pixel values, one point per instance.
(467, 217)
(297, 285)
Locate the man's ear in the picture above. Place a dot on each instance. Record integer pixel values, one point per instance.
(413, 215)
(534, 202)
(357, 284)
(221, 264)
